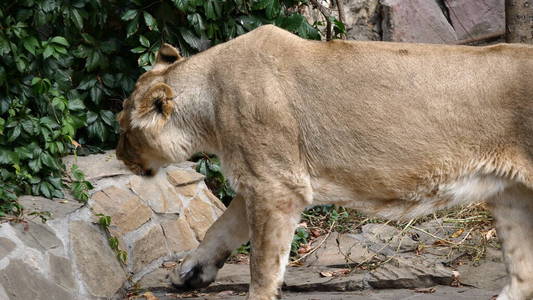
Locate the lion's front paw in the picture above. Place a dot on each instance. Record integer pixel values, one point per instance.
(194, 273)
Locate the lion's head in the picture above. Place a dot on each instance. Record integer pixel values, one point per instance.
(143, 144)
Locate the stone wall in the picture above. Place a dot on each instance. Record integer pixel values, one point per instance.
(156, 220)
(425, 21)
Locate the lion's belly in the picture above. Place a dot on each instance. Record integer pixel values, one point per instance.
(425, 199)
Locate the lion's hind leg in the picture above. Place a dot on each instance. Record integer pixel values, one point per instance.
(513, 210)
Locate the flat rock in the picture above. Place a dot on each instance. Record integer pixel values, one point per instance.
(157, 192)
(409, 271)
(420, 21)
(488, 273)
(22, 282)
(61, 271)
(188, 191)
(97, 166)
(180, 177)
(472, 19)
(199, 215)
(389, 236)
(58, 208)
(98, 266)
(338, 250)
(218, 204)
(157, 279)
(38, 236)
(6, 246)
(149, 247)
(121, 205)
(180, 237)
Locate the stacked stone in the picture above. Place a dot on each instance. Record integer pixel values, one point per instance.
(155, 220)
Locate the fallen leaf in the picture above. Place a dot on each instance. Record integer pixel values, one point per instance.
(326, 274)
(304, 249)
(335, 273)
(149, 296)
(75, 144)
(426, 291)
(457, 233)
(169, 264)
(226, 293)
(489, 235)
(316, 232)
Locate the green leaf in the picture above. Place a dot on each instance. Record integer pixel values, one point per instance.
(58, 103)
(48, 51)
(108, 117)
(193, 41)
(27, 125)
(46, 189)
(138, 50)
(75, 104)
(150, 21)
(49, 161)
(30, 43)
(96, 94)
(14, 134)
(144, 41)
(132, 27)
(91, 117)
(181, 4)
(212, 9)
(76, 18)
(261, 4)
(129, 15)
(60, 41)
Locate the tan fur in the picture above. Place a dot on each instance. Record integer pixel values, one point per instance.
(397, 130)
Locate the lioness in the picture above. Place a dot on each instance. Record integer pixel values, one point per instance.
(395, 130)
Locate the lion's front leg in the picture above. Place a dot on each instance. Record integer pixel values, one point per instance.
(272, 216)
(200, 268)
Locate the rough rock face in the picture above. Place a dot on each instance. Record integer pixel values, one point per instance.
(416, 21)
(154, 219)
(423, 21)
(472, 19)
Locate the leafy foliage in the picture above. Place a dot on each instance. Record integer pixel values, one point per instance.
(209, 166)
(65, 67)
(104, 222)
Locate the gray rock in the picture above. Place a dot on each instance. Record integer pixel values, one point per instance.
(98, 266)
(21, 282)
(388, 236)
(121, 205)
(419, 21)
(409, 271)
(61, 271)
(157, 192)
(179, 235)
(57, 207)
(6, 246)
(337, 251)
(157, 279)
(489, 273)
(200, 216)
(38, 236)
(149, 247)
(97, 166)
(472, 19)
(362, 19)
(180, 177)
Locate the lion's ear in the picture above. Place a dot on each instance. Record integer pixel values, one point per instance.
(166, 56)
(158, 99)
